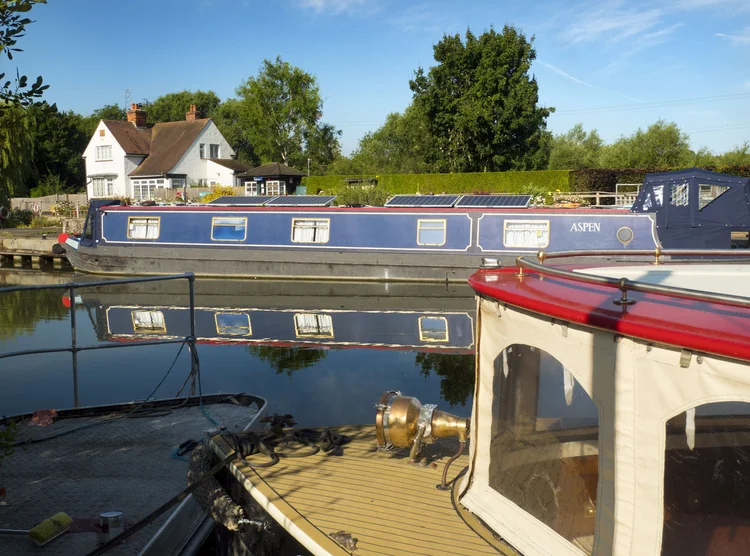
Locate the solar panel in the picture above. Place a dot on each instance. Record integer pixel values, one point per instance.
(435, 201)
(495, 201)
(302, 201)
(237, 201)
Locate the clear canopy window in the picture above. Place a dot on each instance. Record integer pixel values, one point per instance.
(544, 447)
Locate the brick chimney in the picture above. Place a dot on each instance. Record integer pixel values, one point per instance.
(137, 116)
(193, 114)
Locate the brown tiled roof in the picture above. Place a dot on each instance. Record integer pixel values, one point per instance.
(232, 164)
(169, 141)
(132, 139)
(273, 170)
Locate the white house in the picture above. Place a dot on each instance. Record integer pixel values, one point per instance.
(135, 159)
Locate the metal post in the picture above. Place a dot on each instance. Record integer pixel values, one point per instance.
(74, 350)
(194, 369)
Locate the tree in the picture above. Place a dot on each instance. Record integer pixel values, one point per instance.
(16, 150)
(59, 141)
(400, 146)
(662, 145)
(481, 105)
(704, 157)
(228, 118)
(106, 112)
(738, 156)
(172, 107)
(13, 27)
(575, 149)
(288, 359)
(280, 113)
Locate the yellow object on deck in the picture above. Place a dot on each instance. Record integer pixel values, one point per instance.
(390, 506)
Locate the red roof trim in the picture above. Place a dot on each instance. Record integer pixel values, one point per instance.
(689, 324)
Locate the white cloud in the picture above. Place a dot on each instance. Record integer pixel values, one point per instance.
(418, 18)
(566, 75)
(340, 6)
(741, 39)
(610, 23)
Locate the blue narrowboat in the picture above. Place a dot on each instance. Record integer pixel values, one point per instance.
(435, 238)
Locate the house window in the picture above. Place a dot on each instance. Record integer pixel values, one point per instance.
(144, 189)
(102, 133)
(275, 188)
(431, 232)
(313, 325)
(214, 151)
(178, 183)
(310, 231)
(202, 150)
(709, 193)
(104, 152)
(228, 229)
(543, 444)
(680, 195)
(233, 324)
(150, 322)
(102, 187)
(143, 227)
(705, 480)
(251, 188)
(433, 329)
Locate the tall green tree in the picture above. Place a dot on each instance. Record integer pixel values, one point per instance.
(59, 141)
(106, 112)
(738, 156)
(401, 145)
(575, 149)
(172, 107)
(662, 145)
(456, 374)
(281, 111)
(288, 359)
(16, 150)
(482, 105)
(228, 118)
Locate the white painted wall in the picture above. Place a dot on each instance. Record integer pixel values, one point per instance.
(191, 163)
(115, 166)
(219, 174)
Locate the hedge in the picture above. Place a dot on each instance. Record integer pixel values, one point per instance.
(595, 179)
(480, 182)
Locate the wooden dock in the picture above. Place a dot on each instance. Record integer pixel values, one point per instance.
(30, 259)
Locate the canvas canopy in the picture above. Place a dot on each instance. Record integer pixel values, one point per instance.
(588, 442)
(696, 208)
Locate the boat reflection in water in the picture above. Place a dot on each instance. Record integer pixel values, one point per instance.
(425, 317)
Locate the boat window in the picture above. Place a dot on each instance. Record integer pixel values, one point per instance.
(433, 329)
(233, 324)
(654, 198)
(680, 195)
(544, 447)
(313, 325)
(526, 234)
(228, 228)
(706, 478)
(431, 232)
(150, 322)
(306, 230)
(143, 228)
(709, 193)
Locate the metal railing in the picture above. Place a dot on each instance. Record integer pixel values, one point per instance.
(74, 348)
(625, 285)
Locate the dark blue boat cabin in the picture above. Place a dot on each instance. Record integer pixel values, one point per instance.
(696, 208)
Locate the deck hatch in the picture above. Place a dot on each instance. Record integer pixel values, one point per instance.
(226, 228)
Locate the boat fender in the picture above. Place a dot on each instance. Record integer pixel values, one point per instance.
(4, 213)
(58, 249)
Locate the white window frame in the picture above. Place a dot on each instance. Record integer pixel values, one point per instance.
(155, 317)
(431, 224)
(313, 325)
(426, 336)
(103, 153)
(202, 151)
(149, 228)
(311, 230)
(251, 188)
(147, 185)
(228, 221)
(222, 332)
(276, 187)
(178, 183)
(214, 148)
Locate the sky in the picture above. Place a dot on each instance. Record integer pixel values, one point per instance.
(612, 65)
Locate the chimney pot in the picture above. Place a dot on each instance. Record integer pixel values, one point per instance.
(193, 114)
(136, 115)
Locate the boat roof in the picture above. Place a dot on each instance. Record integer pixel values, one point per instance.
(678, 305)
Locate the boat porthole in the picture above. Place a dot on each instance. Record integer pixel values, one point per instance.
(625, 235)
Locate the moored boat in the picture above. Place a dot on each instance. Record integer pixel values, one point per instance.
(610, 416)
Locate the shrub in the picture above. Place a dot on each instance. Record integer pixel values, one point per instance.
(218, 191)
(354, 196)
(20, 217)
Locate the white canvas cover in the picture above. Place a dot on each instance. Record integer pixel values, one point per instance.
(636, 387)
